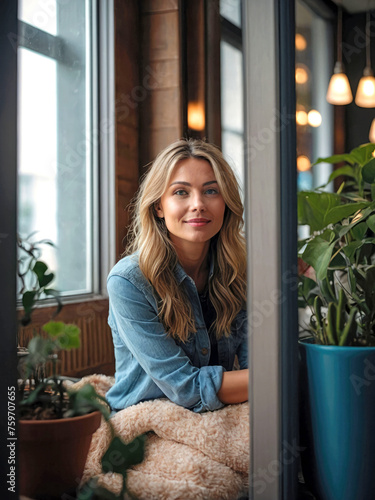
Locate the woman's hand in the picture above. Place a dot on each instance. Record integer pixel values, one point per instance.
(234, 387)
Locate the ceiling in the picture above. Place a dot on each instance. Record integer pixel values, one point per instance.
(353, 6)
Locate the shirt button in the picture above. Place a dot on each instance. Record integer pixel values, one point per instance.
(204, 351)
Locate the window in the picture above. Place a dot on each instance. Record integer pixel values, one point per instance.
(57, 149)
(314, 115)
(232, 98)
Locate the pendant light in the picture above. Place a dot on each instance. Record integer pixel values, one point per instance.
(339, 91)
(365, 96)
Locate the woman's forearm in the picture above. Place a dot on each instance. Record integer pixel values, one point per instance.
(234, 387)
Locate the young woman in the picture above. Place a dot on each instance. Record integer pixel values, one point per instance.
(177, 300)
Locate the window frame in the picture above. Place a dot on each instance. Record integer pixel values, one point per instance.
(101, 184)
(271, 217)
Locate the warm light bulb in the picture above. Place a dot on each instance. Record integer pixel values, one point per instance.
(314, 118)
(365, 96)
(300, 41)
(196, 119)
(339, 91)
(301, 75)
(303, 163)
(301, 118)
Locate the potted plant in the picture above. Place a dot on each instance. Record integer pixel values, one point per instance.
(56, 424)
(338, 359)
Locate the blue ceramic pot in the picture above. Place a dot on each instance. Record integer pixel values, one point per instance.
(337, 423)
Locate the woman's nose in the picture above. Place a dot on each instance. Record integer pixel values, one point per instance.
(198, 202)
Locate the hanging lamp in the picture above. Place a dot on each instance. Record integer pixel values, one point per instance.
(365, 96)
(339, 91)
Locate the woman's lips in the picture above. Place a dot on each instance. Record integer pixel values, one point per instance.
(197, 222)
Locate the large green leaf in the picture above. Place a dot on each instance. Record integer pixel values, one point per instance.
(313, 207)
(338, 213)
(318, 253)
(368, 171)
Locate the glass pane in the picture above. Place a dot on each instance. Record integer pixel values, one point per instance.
(314, 115)
(55, 150)
(232, 107)
(232, 88)
(232, 146)
(231, 10)
(39, 13)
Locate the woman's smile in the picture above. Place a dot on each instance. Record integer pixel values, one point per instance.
(200, 222)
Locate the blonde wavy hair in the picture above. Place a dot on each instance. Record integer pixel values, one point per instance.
(157, 257)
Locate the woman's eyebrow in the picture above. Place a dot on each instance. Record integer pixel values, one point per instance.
(188, 183)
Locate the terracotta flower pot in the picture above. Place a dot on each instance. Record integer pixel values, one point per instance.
(52, 453)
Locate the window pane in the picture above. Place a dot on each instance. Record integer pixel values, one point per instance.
(55, 148)
(314, 116)
(39, 13)
(232, 92)
(232, 106)
(231, 10)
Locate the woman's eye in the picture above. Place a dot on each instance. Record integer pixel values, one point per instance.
(180, 192)
(212, 191)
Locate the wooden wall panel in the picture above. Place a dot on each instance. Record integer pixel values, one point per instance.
(161, 111)
(96, 354)
(130, 92)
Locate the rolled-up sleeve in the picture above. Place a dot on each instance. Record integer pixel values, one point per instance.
(166, 363)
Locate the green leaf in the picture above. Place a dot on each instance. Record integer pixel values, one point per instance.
(336, 159)
(363, 153)
(341, 212)
(347, 170)
(368, 172)
(67, 335)
(318, 253)
(40, 269)
(120, 456)
(28, 300)
(307, 289)
(371, 222)
(56, 294)
(360, 217)
(350, 249)
(359, 230)
(86, 400)
(313, 207)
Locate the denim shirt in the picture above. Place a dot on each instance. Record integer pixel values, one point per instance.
(149, 363)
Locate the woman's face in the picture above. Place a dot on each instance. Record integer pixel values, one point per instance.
(192, 205)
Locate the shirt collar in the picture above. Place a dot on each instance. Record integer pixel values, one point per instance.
(181, 274)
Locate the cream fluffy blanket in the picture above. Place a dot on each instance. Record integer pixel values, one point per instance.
(188, 455)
